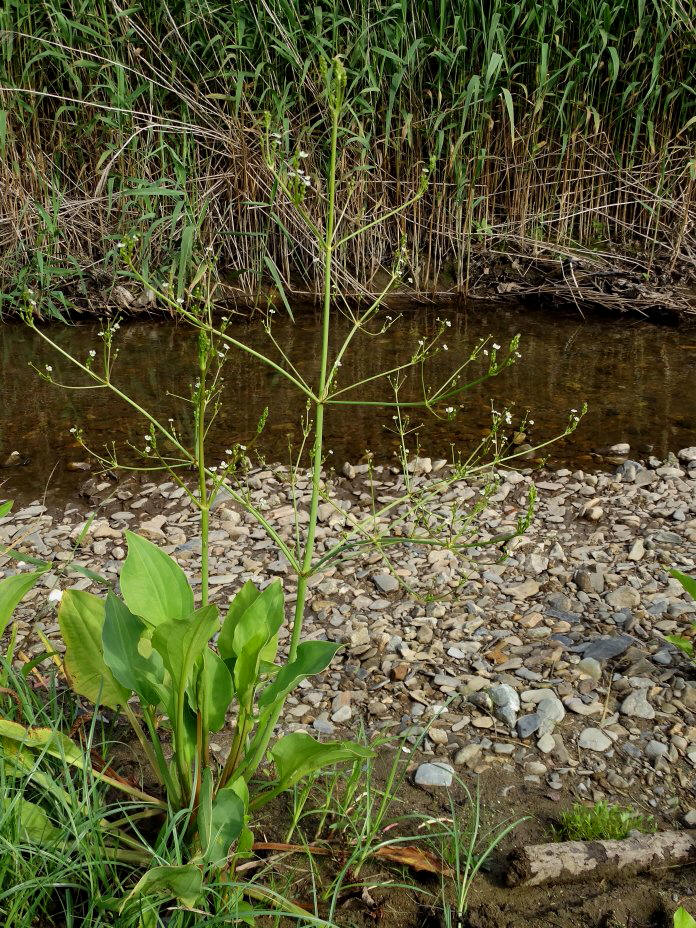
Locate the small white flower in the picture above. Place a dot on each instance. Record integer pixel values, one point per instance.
(55, 596)
(228, 451)
(223, 464)
(148, 449)
(92, 353)
(444, 348)
(448, 324)
(449, 409)
(530, 421)
(242, 448)
(73, 430)
(496, 346)
(304, 154)
(49, 368)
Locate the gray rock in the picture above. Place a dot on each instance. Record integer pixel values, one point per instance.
(687, 455)
(690, 817)
(505, 703)
(506, 696)
(623, 597)
(636, 705)
(663, 657)
(528, 724)
(589, 581)
(386, 583)
(607, 647)
(591, 667)
(323, 726)
(436, 774)
(546, 743)
(469, 754)
(594, 739)
(629, 470)
(342, 714)
(550, 709)
(654, 750)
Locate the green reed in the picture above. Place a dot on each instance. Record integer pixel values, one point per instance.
(554, 125)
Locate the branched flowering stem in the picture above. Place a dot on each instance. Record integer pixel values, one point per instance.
(337, 91)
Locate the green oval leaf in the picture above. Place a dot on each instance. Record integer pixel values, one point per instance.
(298, 754)
(81, 619)
(153, 585)
(13, 590)
(121, 640)
(34, 826)
(312, 657)
(184, 883)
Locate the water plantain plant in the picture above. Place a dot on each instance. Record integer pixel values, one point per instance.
(155, 653)
(150, 654)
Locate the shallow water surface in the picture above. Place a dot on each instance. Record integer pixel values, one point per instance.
(639, 381)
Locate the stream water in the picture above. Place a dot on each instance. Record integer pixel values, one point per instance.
(638, 379)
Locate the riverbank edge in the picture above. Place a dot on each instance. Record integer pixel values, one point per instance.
(586, 285)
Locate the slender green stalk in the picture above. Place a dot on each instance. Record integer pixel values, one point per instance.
(204, 501)
(336, 91)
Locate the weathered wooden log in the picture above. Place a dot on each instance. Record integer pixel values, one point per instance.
(570, 860)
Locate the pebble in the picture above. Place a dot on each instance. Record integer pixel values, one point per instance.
(569, 630)
(594, 739)
(636, 705)
(468, 754)
(528, 724)
(624, 597)
(386, 583)
(591, 667)
(434, 775)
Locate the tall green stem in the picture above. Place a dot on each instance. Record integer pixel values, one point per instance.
(263, 736)
(308, 554)
(200, 457)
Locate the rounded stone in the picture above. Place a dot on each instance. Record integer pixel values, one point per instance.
(435, 774)
(594, 739)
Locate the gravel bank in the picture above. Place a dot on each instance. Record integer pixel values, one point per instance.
(553, 664)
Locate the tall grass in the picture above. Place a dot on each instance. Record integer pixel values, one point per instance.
(556, 126)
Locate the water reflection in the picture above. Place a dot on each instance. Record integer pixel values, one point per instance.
(639, 381)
